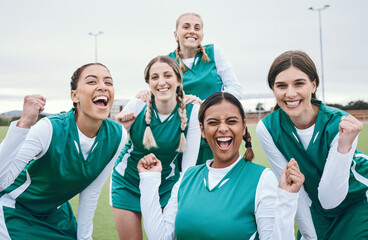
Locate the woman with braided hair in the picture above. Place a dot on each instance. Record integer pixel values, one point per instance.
(229, 197)
(164, 126)
(205, 68)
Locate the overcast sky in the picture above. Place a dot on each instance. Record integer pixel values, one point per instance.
(42, 42)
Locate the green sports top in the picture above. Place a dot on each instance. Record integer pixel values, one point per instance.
(312, 160)
(62, 172)
(202, 79)
(226, 211)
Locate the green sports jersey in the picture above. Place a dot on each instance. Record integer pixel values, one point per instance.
(202, 79)
(125, 192)
(312, 161)
(226, 211)
(46, 184)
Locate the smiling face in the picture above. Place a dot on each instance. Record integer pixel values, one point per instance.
(163, 82)
(293, 91)
(189, 32)
(94, 93)
(223, 128)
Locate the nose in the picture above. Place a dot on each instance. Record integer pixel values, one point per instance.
(101, 86)
(223, 128)
(291, 92)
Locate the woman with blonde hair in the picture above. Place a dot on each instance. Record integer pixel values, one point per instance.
(165, 126)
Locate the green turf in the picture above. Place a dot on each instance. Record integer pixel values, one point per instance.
(103, 224)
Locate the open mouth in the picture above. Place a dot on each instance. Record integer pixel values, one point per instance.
(224, 143)
(191, 37)
(293, 103)
(163, 89)
(100, 101)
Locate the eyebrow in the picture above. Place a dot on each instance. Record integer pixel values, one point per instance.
(94, 76)
(215, 119)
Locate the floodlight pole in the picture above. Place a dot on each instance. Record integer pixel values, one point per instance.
(95, 35)
(320, 43)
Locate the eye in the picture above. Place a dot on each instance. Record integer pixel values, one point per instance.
(299, 83)
(197, 28)
(168, 75)
(212, 122)
(280, 85)
(91, 82)
(154, 77)
(109, 83)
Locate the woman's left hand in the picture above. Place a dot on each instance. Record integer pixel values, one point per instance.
(291, 179)
(349, 129)
(188, 98)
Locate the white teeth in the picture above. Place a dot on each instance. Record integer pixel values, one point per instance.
(224, 139)
(163, 89)
(294, 103)
(103, 98)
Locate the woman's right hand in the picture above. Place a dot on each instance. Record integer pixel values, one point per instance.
(33, 105)
(143, 95)
(292, 178)
(149, 163)
(126, 118)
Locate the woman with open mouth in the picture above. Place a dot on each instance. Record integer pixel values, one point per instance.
(205, 68)
(229, 197)
(323, 140)
(43, 166)
(165, 126)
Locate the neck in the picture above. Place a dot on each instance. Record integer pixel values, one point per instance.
(165, 107)
(218, 163)
(307, 119)
(188, 52)
(89, 127)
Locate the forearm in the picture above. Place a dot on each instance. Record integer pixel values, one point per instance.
(156, 224)
(334, 183)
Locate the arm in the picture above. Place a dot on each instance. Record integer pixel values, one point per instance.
(128, 115)
(88, 197)
(275, 209)
(193, 140)
(278, 162)
(334, 184)
(227, 75)
(157, 224)
(23, 144)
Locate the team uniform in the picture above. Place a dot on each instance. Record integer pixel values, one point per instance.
(44, 167)
(336, 184)
(205, 78)
(236, 202)
(166, 130)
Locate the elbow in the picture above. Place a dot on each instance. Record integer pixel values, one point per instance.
(330, 199)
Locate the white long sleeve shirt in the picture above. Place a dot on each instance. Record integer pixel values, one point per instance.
(21, 145)
(274, 208)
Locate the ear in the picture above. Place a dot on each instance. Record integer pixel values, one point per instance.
(314, 86)
(176, 36)
(202, 130)
(74, 96)
(244, 126)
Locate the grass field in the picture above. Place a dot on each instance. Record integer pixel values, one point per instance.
(104, 226)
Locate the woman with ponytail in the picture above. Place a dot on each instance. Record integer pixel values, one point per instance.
(45, 163)
(229, 197)
(165, 126)
(333, 201)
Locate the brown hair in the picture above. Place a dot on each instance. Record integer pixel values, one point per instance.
(148, 139)
(200, 48)
(224, 96)
(297, 59)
